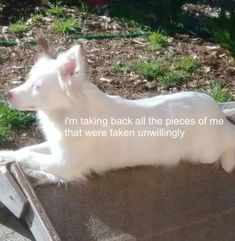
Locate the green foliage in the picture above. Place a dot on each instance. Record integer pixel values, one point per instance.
(129, 12)
(166, 73)
(157, 40)
(4, 133)
(66, 25)
(83, 7)
(120, 67)
(223, 31)
(150, 69)
(170, 78)
(132, 24)
(11, 119)
(169, 11)
(2, 6)
(187, 64)
(219, 92)
(56, 9)
(18, 27)
(37, 17)
(3, 56)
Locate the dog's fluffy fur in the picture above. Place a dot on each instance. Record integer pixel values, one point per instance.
(58, 88)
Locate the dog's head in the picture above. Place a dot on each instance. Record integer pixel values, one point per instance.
(50, 82)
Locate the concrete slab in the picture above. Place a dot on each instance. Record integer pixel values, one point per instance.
(189, 202)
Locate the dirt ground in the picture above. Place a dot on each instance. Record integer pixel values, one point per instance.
(101, 54)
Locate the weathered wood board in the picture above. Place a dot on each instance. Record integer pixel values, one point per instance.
(186, 203)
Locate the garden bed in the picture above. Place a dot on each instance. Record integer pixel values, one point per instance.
(131, 67)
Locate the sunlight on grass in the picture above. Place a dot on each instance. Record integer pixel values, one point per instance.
(11, 119)
(166, 73)
(120, 67)
(3, 56)
(55, 9)
(149, 69)
(219, 92)
(171, 78)
(187, 64)
(18, 27)
(66, 25)
(157, 40)
(37, 18)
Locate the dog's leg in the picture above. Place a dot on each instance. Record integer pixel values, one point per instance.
(38, 178)
(228, 160)
(42, 148)
(27, 159)
(34, 154)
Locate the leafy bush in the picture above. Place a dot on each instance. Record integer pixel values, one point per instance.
(157, 40)
(18, 27)
(171, 78)
(66, 25)
(167, 73)
(187, 64)
(150, 69)
(219, 92)
(12, 119)
(56, 9)
(223, 31)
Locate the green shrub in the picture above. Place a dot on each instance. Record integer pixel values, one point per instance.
(223, 31)
(219, 92)
(120, 67)
(171, 78)
(157, 40)
(3, 56)
(187, 64)
(18, 27)
(56, 9)
(150, 69)
(37, 18)
(66, 25)
(11, 119)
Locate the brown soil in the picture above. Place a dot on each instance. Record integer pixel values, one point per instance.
(215, 63)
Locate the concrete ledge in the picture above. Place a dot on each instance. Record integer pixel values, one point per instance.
(186, 203)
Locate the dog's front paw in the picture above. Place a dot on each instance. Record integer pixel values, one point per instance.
(41, 178)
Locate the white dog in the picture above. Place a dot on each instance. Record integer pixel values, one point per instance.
(59, 90)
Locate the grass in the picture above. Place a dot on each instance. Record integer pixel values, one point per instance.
(157, 40)
(166, 73)
(66, 25)
(149, 69)
(11, 119)
(3, 56)
(120, 67)
(55, 9)
(18, 27)
(187, 64)
(219, 92)
(171, 78)
(37, 17)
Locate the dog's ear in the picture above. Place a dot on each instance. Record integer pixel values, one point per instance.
(71, 63)
(45, 47)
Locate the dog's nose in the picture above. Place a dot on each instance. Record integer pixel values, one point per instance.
(9, 95)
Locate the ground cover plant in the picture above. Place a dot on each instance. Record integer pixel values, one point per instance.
(11, 120)
(153, 64)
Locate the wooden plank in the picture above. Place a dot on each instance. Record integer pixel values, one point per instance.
(11, 194)
(37, 219)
